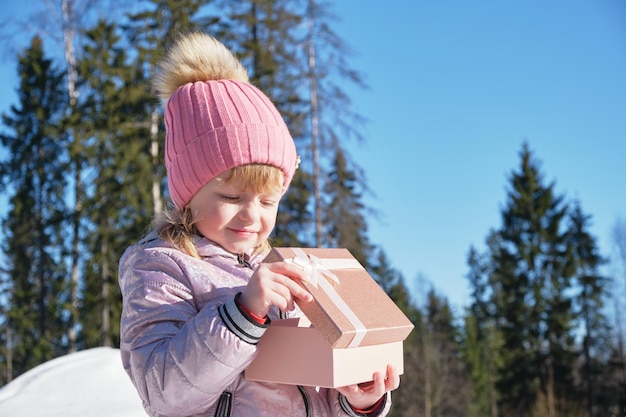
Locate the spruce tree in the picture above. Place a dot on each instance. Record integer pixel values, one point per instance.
(392, 282)
(117, 158)
(618, 368)
(35, 289)
(526, 275)
(592, 291)
(64, 24)
(481, 342)
(333, 122)
(344, 222)
(441, 388)
(536, 287)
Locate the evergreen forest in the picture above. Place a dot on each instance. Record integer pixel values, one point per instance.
(82, 170)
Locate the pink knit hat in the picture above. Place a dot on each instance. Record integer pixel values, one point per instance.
(213, 126)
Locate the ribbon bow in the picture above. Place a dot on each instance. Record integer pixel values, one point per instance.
(313, 268)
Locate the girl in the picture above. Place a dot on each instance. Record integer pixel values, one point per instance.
(196, 297)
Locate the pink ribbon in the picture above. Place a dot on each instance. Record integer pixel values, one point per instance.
(315, 268)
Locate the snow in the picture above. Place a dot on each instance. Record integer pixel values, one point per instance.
(89, 383)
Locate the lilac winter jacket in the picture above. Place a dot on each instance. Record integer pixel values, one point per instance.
(185, 343)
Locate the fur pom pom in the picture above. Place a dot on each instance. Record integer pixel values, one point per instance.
(196, 57)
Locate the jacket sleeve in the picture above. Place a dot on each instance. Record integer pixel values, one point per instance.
(341, 406)
(180, 359)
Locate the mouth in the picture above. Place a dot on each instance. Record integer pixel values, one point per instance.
(243, 232)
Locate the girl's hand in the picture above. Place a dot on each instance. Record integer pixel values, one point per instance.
(363, 396)
(274, 284)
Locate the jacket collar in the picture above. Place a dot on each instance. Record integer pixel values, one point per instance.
(208, 248)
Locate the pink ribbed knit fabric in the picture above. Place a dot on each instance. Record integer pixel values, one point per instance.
(213, 126)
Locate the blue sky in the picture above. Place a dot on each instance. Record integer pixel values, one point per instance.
(456, 87)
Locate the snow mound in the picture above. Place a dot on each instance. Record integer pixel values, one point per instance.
(89, 383)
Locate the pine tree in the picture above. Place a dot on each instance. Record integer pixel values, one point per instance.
(441, 388)
(527, 275)
(592, 293)
(618, 237)
(344, 220)
(533, 290)
(64, 23)
(481, 344)
(35, 289)
(332, 120)
(119, 201)
(392, 282)
(69, 30)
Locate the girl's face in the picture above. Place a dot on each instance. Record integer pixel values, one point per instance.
(236, 218)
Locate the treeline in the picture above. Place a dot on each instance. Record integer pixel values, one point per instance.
(83, 175)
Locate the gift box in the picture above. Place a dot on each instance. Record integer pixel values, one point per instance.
(351, 329)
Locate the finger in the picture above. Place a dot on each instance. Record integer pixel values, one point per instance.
(296, 275)
(295, 289)
(348, 390)
(288, 269)
(378, 388)
(285, 290)
(366, 385)
(393, 378)
(279, 293)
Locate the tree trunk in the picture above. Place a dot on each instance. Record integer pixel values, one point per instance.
(314, 132)
(9, 354)
(105, 329)
(70, 58)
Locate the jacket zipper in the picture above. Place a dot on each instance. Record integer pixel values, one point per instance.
(224, 405)
(242, 261)
(307, 400)
(305, 395)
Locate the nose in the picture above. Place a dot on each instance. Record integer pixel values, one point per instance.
(250, 212)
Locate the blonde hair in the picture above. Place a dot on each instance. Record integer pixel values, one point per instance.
(178, 226)
(196, 57)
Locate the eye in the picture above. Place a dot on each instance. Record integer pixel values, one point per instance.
(270, 199)
(229, 197)
(269, 203)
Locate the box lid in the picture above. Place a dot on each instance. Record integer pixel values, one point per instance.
(349, 308)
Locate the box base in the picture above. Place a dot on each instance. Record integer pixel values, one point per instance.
(293, 352)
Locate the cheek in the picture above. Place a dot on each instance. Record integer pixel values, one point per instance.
(269, 218)
(212, 216)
